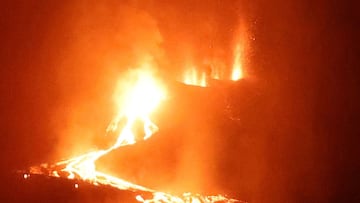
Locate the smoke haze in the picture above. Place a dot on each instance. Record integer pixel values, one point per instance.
(295, 140)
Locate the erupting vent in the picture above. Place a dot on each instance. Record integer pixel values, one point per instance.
(137, 101)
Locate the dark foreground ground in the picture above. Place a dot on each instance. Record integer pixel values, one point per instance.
(40, 188)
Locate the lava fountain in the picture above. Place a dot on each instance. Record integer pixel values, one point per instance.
(142, 95)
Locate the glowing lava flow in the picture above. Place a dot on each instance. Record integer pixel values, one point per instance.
(138, 102)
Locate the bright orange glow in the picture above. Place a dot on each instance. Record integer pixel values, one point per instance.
(192, 77)
(136, 102)
(139, 101)
(217, 68)
(26, 176)
(237, 72)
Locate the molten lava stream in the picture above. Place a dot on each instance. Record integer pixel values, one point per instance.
(136, 104)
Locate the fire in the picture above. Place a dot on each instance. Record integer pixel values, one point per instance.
(216, 69)
(139, 102)
(140, 99)
(192, 77)
(237, 66)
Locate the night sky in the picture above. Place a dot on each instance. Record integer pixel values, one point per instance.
(298, 143)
